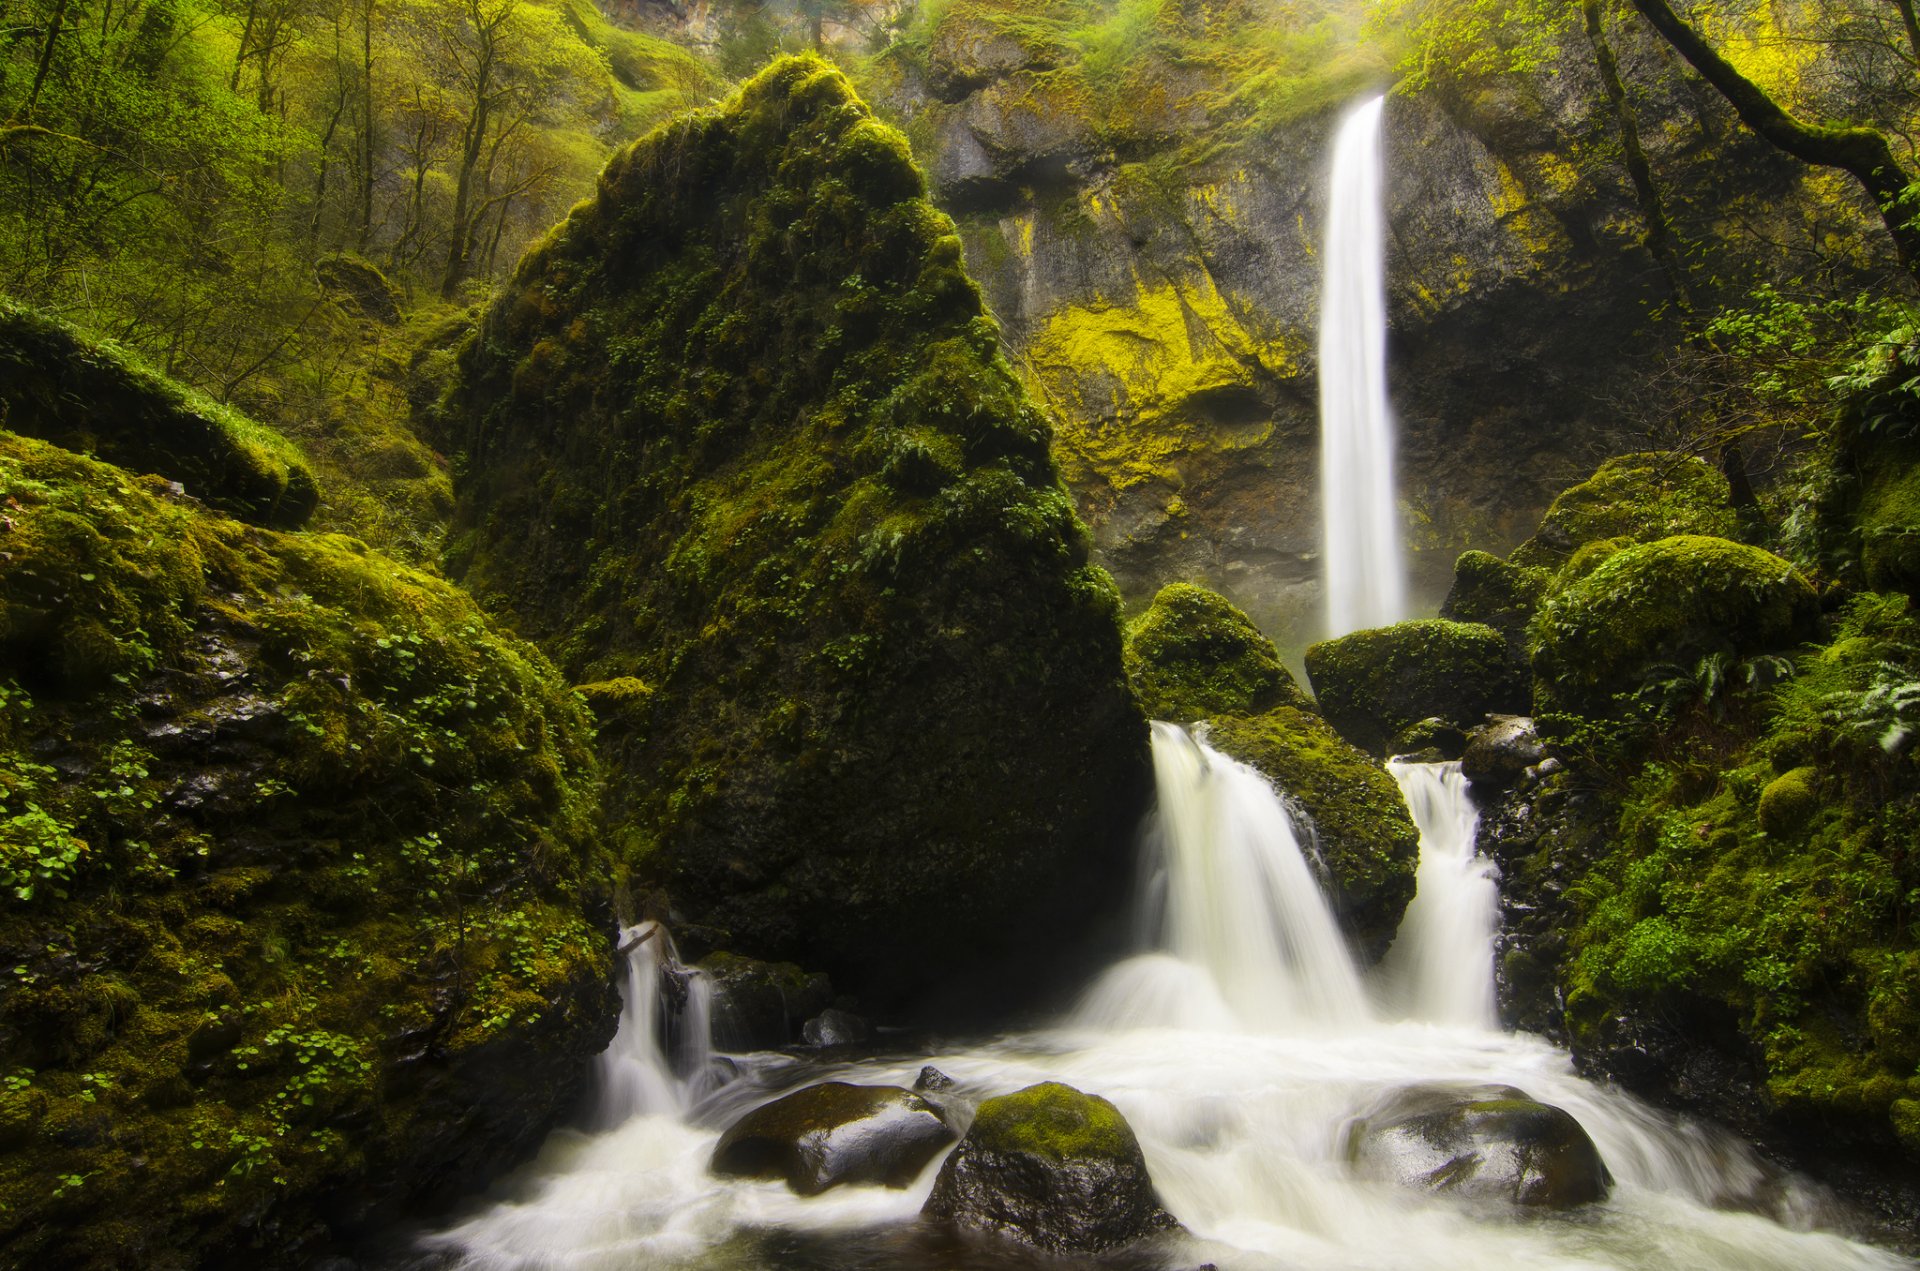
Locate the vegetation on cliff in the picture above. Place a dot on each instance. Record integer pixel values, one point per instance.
(740, 430)
(301, 886)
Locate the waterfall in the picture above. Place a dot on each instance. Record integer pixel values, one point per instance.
(1441, 963)
(660, 1058)
(1247, 936)
(1365, 577)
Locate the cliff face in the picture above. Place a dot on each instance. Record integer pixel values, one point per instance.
(739, 447)
(1153, 254)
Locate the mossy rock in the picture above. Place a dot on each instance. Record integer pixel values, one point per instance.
(761, 1005)
(1668, 602)
(303, 895)
(1641, 497)
(1789, 802)
(358, 284)
(1497, 594)
(1887, 519)
(1052, 1167)
(741, 429)
(1366, 839)
(96, 398)
(1482, 1143)
(1375, 685)
(1193, 654)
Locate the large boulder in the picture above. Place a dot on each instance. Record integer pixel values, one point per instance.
(1374, 685)
(1497, 594)
(95, 398)
(1485, 1143)
(1365, 838)
(1638, 497)
(740, 429)
(305, 904)
(1054, 1168)
(833, 1134)
(1193, 654)
(1670, 602)
(761, 1005)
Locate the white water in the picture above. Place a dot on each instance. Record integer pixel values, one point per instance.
(1441, 965)
(1365, 576)
(1239, 1078)
(659, 1062)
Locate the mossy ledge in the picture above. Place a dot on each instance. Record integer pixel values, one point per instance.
(740, 429)
(96, 398)
(303, 909)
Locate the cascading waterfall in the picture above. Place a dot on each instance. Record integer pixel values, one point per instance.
(1365, 576)
(1441, 963)
(1240, 1048)
(659, 1060)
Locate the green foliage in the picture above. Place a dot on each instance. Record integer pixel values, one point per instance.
(1450, 42)
(297, 810)
(741, 431)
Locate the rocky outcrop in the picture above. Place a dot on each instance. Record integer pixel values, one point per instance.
(1050, 1167)
(1193, 654)
(761, 1005)
(740, 430)
(1375, 686)
(835, 1134)
(306, 910)
(1482, 1143)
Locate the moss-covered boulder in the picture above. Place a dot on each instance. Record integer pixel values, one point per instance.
(1194, 654)
(1366, 839)
(1642, 497)
(1789, 802)
(1482, 1143)
(95, 398)
(740, 428)
(1673, 601)
(299, 881)
(834, 1134)
(1497, 594)
(1051, 1167)
(1374, 685)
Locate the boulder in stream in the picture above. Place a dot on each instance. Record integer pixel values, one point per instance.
(1483, 1142)
(1374, 685)
(1052, 1167)
(1500, 750)
(835, 1133)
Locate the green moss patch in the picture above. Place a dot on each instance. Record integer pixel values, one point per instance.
(1194, 654)
(298, 869)
(1374, 685)
(1641, 497)
(97, 398)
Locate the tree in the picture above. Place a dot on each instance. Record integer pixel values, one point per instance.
(1862, 152)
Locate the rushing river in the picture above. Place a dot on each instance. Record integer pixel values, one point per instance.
(1241, 1044)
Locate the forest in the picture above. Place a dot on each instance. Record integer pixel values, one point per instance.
(798, 635)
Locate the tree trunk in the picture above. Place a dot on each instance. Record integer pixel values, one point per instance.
(46, 62)
(1659, 237)
(365, 173)
(1912, 23)
(1861, 152)
(460, 246)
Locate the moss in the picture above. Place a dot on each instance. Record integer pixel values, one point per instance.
(1905, 1114)
(299, 871)
(1673, 601)
(95, 397)
(1374, 685)
(1193, 654)
(1789, 802)
(1641, 497)
(1054, 1122)
(1365, 838)
(741, 429)
(1497, 594)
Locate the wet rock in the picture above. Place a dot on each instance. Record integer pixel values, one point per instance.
(932, 1080)
(1499, 752)
(1483, 1142)
(1432, 740)
(835, 1027)
(835, 1133)
(760, 1005)
(1054, 1168)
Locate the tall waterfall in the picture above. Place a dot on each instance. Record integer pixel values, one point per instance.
(1441, 963)
(1365, 576)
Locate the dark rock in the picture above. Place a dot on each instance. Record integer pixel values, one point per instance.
(835, 1133)
(1054, 1168)
(359, 285)
(932, 1080)
(1487, 1143)
(1499, 752)
(835, 1027)
(1432, 740)
(761, 1005)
